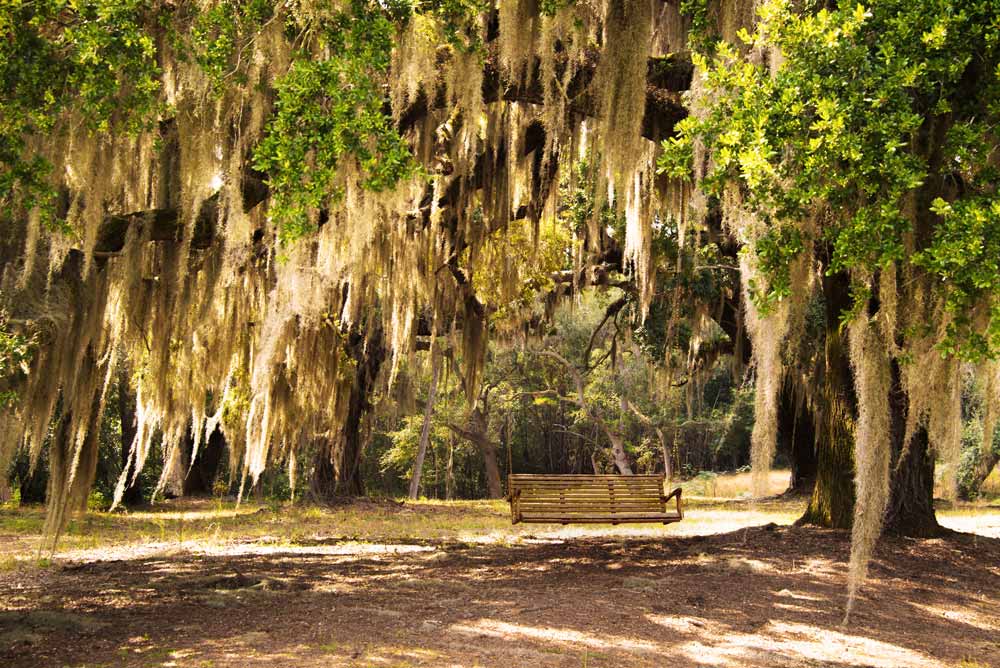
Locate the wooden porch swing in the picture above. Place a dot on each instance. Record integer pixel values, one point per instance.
(590, 499)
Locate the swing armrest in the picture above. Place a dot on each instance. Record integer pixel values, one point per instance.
(676, 493)
(513, 496)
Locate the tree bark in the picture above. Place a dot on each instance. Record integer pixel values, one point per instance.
(449, 478)
(911, 510)
(982, 467)
(425, 431)
(832, 502)
(618, 453)
(911, 499)
(132, 496)
(337, 470)
(477, 433)
(201, 474)
(494, 486)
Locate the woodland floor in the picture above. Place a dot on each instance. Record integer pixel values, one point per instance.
(453, 584)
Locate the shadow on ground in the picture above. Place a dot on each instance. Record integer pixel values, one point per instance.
(765, 596)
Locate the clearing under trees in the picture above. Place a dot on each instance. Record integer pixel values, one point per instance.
(339, 239)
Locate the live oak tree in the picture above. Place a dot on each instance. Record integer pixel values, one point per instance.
(213, 192)
(855, 148)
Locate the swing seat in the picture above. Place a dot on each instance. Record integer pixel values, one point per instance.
(590, 499)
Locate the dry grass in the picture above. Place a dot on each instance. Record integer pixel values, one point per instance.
(213, 526)
(187, 523)
(712, 505)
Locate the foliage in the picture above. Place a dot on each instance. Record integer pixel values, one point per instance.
(701, 37)
(94, 59)
(867, 108)
(330, 108)
(220, 33)
(525, 265)
(16, 351)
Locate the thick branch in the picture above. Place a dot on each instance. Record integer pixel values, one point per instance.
(667, 77)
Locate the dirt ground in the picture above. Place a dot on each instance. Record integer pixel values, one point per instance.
(768, 596)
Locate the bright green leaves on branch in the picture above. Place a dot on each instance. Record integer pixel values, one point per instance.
(700, 36)
(863, 115)
(220, 33)
(330, 109)
(775, 250)
(112, 62)
(96, 58)
(965, 254)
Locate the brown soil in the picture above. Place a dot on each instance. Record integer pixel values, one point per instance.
(766, 596)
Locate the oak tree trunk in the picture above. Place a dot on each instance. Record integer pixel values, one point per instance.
(494, 486)
(618, 453)
(132, 495)
(477, 433)
(911, 499)
(911, 510)
(479, 427)
(337, 470)
(832, 501)
(201, 474)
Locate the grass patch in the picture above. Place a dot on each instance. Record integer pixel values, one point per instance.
(214, 524)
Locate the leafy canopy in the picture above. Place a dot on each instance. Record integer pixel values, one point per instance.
(880, 124)
(94, 58)
(96, 62)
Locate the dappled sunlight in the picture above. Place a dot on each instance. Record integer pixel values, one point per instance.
(817, 643)
(402, 586)
(704, 641)
(689, 625)
(819, 566)
(799, 596)
(801, 603)
(979, 620)
(981, 520)
(557, 635)
(781, 643)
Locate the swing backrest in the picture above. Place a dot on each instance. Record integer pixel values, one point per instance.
(595, 499)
